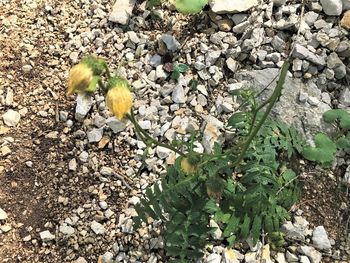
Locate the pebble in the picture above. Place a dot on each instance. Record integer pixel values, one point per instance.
(72, 165)
(170, 41)
(332, 7)
(83, 157)
(83, 106)
(345, 21)
(121, 11)
(228, 6)
(320, 239)
(11, 118)
(46, 236)
(213, 258)
(3, 214)
(97, 228)
(66, 230)
(178, 95)
(115, 125)
(95, 135)
(311, 253)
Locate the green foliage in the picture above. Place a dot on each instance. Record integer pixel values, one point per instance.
(177, 70)
(190, 6)
(323, 152)
(340, 115)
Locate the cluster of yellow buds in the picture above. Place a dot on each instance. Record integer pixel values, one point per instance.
(84, 77)
(119, 98)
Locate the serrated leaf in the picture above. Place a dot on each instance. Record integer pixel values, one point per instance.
(324, 152)
(256, 228)
(338, 114)
(288, 175)
(190, 6)
(245, 227)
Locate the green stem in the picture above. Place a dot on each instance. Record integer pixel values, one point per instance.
(108, 72)
(147, 139)
(271, 102)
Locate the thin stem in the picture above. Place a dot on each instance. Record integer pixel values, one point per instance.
(108, 72)
(272, 100)
(147, 138)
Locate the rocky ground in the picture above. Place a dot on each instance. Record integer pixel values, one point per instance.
(67, 167)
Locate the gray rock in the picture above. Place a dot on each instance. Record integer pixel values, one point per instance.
(3, 214)
(303, 53)
(133, 37)
(99, 121)
(228, 6)
(84, 104)
(66, 230)
(170, 41)
(155, 61)
(11, 118)
(178, 95)
(115, 125)
(213, 258)
(320, 239)
(310, 18)
(95, 135)
(63, 116)
(46, 236)
(286, 109)
(211, 57)
(346, 4)
(107, 257)
(332, 7)
(163, 152)
(291, 257)
(121, 11)
(127, 226)
(333, 61)
(311, 253)
(278, 44)
(344, 97)
(97, 228)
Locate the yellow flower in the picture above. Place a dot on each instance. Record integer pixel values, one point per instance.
(80, 77)
(187, 167)
(119, 99)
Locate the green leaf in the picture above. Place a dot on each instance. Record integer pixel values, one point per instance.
(152, 3)
(245, 227)
(256, 228)
(324, 152)
(182, 68)
(338, 114)
(175, 74)
(344, 142)
(236, 118)
(193, 84)
(190, 6)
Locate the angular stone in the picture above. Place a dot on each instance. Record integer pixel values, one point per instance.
(115, 125)
(11, 118)
(121, 11)
(3, 214)
(97, 228)
(320, 239)
(46, 236)
(303, 53)
(84, 104)
(229, 6)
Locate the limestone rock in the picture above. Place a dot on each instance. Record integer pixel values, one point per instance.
(121, 11)
(229, 6)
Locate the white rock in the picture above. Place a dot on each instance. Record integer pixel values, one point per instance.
(11, 118)
(280, 258)
(213, 258)
(320, 239)
(231, 256)
(3, 214)
(9, 97)
(332, 7)
(97, 228)
(80, 260)
(115, 125)
(134, 200)
(217, 234)
(72, 165)
(46, 236)
(121, 11)
(170, 41)
(303, 53)
(229, 6)
(291, 257)
(304, 259)
(67, 230)
(163, 152)
(178, 95)
(231, 64)
(211, 133)
(84, 156)
(107, 257)
(84, 104)
(311, 253)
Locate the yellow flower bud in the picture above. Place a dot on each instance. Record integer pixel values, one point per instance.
(119, 99)
(187, 167)
(80, 77)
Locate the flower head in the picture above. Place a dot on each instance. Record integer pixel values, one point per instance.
(187, 166)
(119, 98)
(80, 78)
